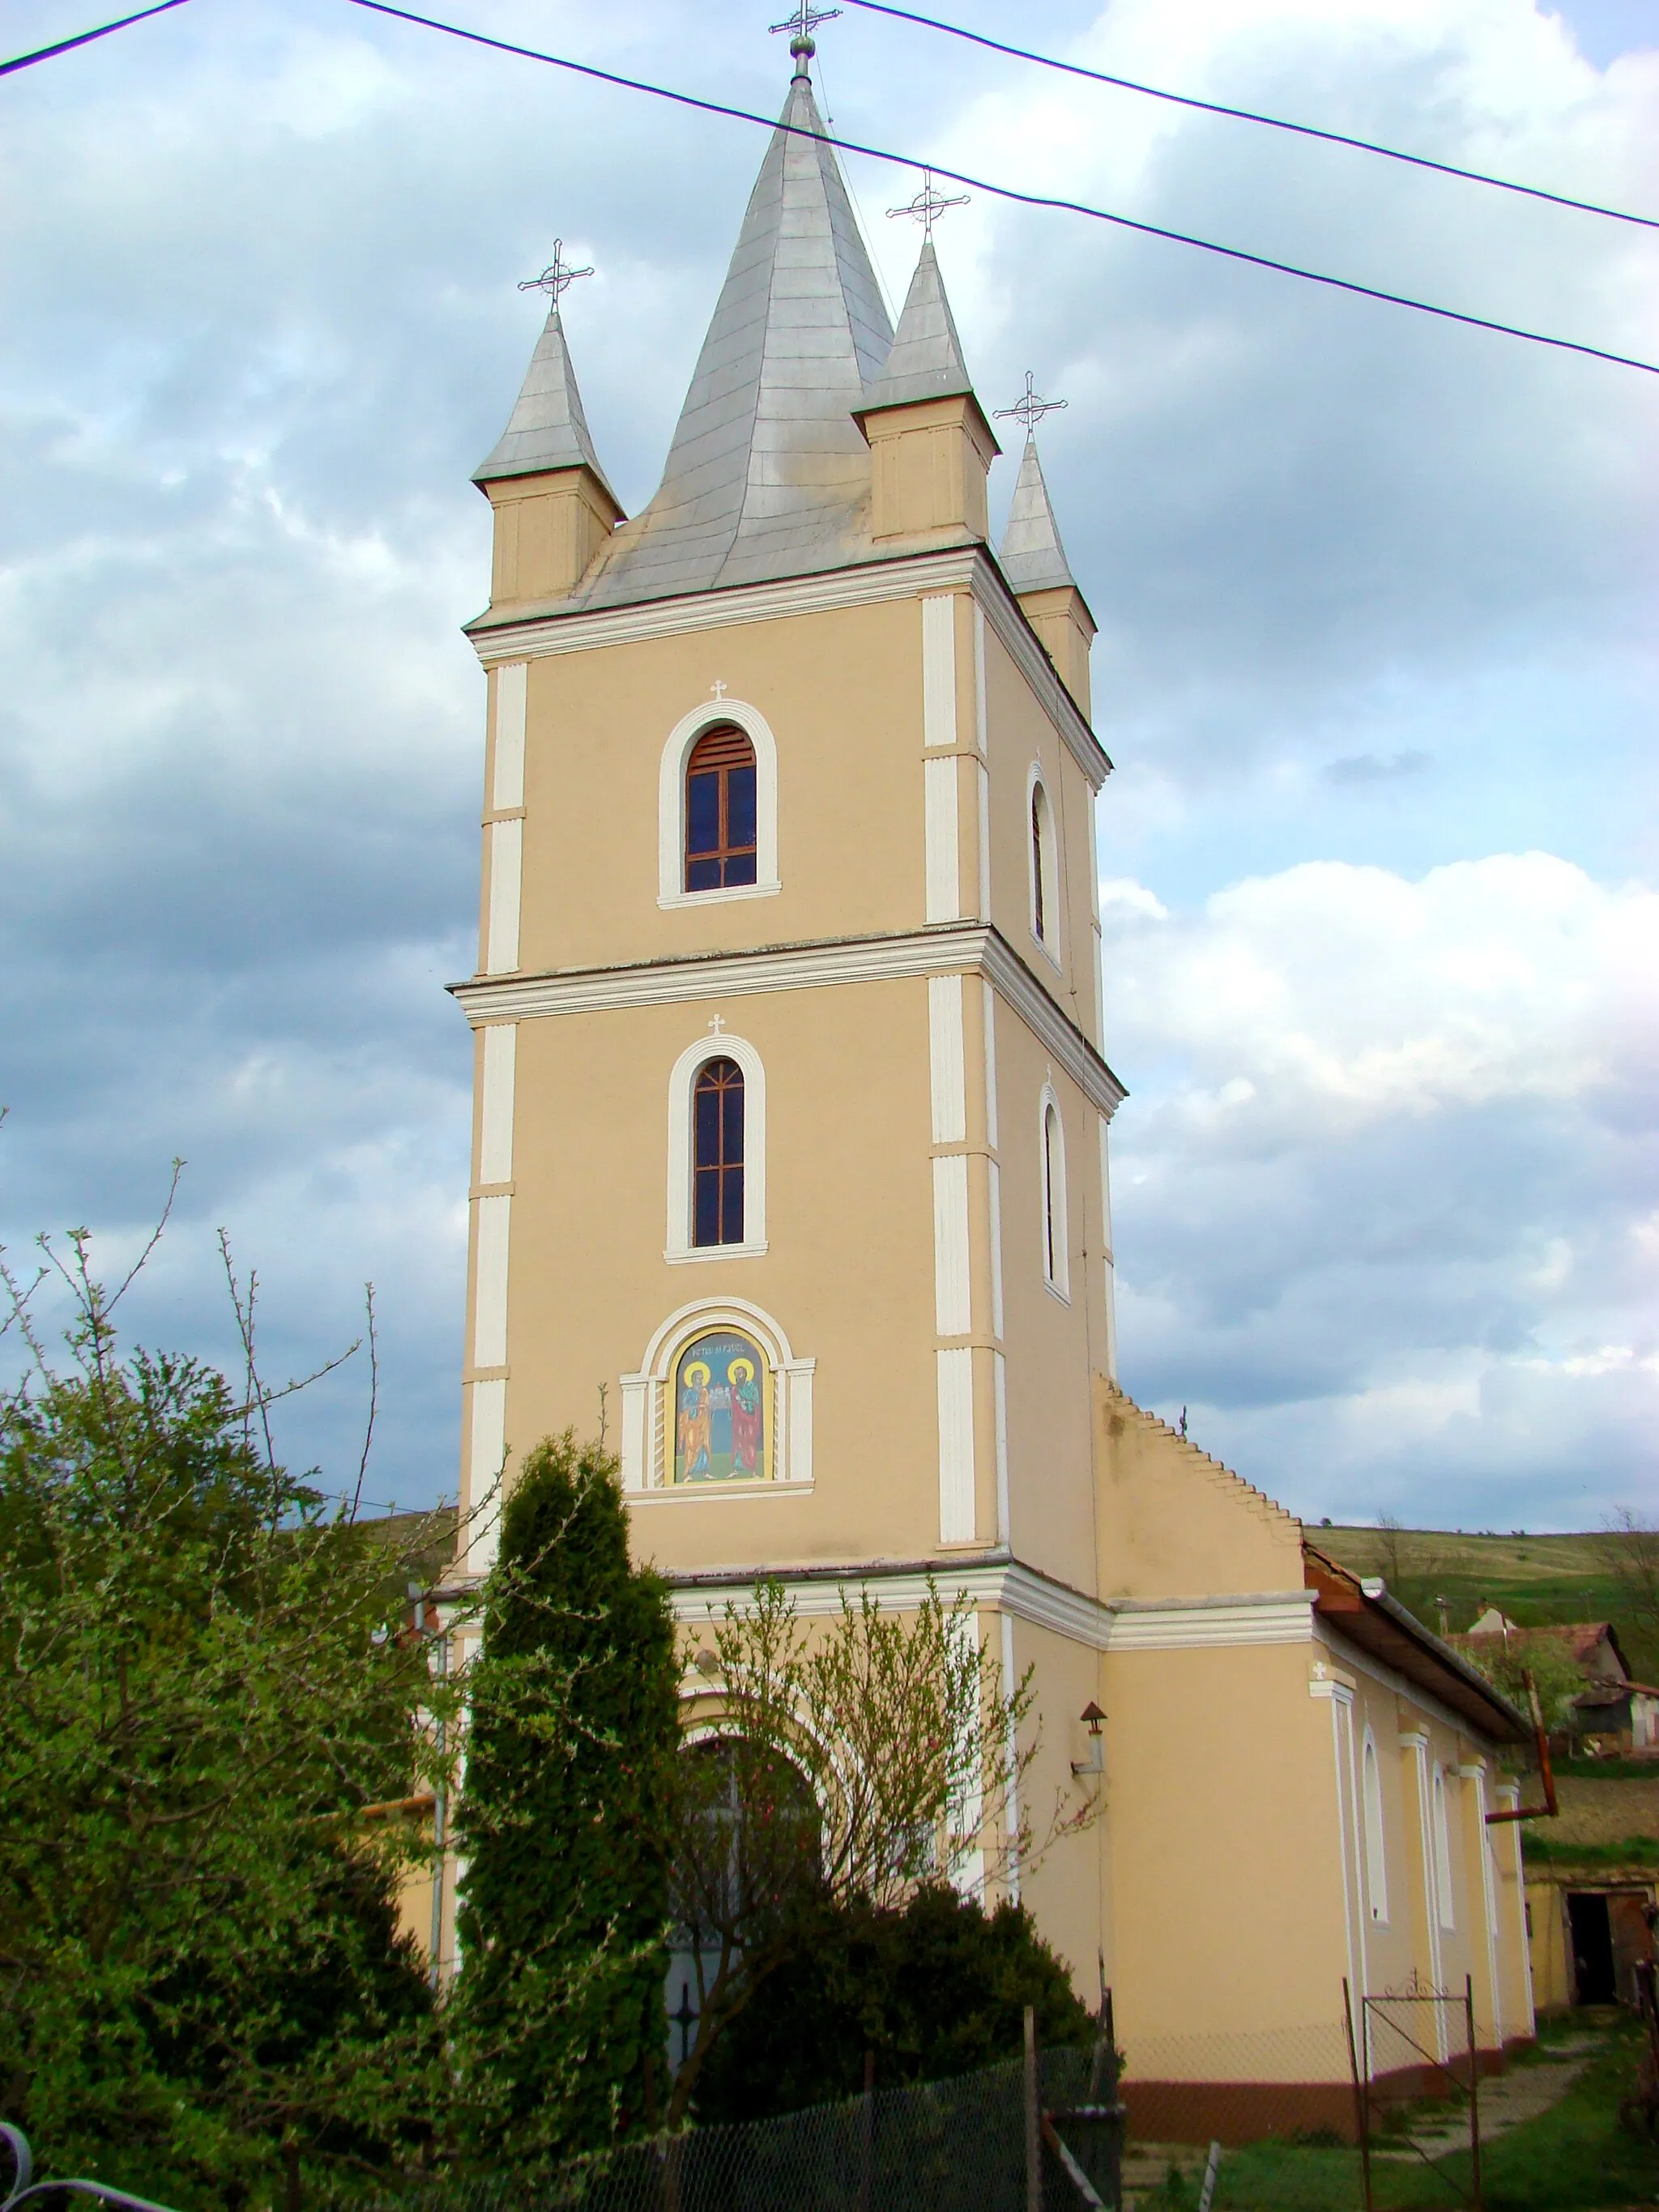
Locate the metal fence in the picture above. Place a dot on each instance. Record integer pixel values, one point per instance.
(954, 2146)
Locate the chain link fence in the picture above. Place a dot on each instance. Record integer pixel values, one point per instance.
(955, 2146)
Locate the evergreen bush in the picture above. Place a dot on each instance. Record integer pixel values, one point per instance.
(566, 1824)
(934, 1989)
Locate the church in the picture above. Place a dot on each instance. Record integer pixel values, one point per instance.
(792, 1134)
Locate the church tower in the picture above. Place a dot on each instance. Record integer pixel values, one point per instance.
(791, 1112)
(790, 1138)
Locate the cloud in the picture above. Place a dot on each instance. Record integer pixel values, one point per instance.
(1371, 768)
(1385, 1176)
(263, 322)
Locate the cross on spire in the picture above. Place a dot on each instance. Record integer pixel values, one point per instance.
(557, 278)
(801, 25)
(1029, 409)
(928, 205)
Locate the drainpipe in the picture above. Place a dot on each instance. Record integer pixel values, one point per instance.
(1549, 1808)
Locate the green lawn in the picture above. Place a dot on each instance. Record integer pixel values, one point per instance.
(1574, 2158)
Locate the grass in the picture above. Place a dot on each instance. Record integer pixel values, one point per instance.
(1552, 1851)
(1576, 2157)
(1535, 1580)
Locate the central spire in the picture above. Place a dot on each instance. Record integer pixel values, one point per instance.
(768, 473)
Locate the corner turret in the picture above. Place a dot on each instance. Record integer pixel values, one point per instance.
(931, 446)
(554, 508)
(1034, 561)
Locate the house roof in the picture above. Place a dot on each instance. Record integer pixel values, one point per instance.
(1362, 1611)
(1584, 1640)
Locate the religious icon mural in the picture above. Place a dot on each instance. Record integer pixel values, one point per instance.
(719, 1410)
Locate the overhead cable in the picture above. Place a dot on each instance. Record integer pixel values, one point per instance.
(1008, 192)
(1250, 115)
(83, 38)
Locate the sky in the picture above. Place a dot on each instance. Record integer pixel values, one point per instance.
(1376, 667)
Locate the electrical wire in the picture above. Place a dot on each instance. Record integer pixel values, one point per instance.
(1250, 115)
(83, 38)
(1009, 192)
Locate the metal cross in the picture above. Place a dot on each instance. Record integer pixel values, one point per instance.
(928, 205)
(557, 278)
(1030, 410)
(805, 20)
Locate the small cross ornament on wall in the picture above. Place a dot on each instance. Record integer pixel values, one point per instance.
(718, 1025)
(557, 278)
(717, 687)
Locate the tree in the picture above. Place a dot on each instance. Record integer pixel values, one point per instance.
(566, 1824)
(845, 1766)
(932, 1990)
(1631, 1554)
(1527, 1659)
(207, 1995)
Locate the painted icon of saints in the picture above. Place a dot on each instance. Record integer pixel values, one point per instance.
(745, 1417)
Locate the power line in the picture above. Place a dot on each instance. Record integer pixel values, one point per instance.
(1249, 115)
(1009, 192)
(84, 38)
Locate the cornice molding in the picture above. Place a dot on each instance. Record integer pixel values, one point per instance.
(1327, 1633)
(947, 948)
(1025, 1593)
(533, 637)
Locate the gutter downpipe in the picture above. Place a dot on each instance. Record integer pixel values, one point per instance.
(1549, 1809)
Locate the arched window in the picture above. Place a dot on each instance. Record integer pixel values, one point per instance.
(717, 1154)
(1045, 887)
(722, 1430)
(1376, 1879)
(1055, 1266)
(721, 847)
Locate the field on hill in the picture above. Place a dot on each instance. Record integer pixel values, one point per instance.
(1535, 1580)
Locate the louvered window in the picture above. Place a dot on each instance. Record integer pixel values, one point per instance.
(719, 810)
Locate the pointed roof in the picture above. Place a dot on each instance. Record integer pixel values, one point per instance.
(926, 361)
(1032, 557)
(547, 429)
(768, 475)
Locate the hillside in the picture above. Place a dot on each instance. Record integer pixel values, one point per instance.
(1535, 1580)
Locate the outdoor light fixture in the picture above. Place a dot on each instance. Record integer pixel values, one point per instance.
(1092, 1716)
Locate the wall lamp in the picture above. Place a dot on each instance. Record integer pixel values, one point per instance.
(1092, 1716)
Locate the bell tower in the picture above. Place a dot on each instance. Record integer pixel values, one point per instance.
(791, 1112)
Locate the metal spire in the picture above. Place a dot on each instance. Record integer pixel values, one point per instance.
(928, 205)
(1030, 410)
(802, 24)
(556, 278)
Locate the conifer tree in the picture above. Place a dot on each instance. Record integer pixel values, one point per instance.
(566, 1823)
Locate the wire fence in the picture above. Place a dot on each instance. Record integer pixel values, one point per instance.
(953, 2146)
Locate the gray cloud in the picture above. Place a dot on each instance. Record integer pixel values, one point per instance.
(262, 324)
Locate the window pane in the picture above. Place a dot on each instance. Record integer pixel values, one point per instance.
(732, 1123)
(705, 1216)
(740, 868)
(739, 808)
(702, 814)
(731, 1207)
(706, 1116)
(702, 875)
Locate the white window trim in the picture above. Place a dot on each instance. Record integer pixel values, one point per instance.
(679, 1248)
(1052, 1199)
(1047, 943)
(644, 1396)
(1374, 1822)
(671, 804)
(1440, 1828)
